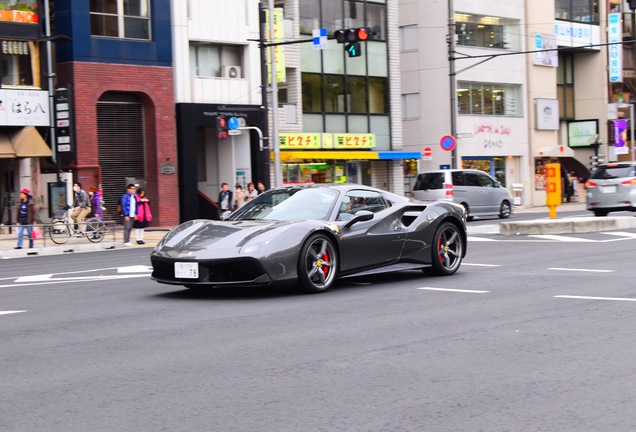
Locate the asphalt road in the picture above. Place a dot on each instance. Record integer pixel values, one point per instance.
(532, 334)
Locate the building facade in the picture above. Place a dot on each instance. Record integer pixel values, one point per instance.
(25, 112)
(117, 69)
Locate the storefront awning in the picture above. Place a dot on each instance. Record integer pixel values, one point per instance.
(287, 156)
(6, 149)
(27, 142)
(554, 151)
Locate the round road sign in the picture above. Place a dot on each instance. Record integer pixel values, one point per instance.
(233, 123)
(447, 142)
(428, 152)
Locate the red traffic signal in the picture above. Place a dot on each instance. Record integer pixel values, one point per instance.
(352, 35)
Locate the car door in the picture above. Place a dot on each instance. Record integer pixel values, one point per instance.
(474, 193)
(372, 243)
(490, 193)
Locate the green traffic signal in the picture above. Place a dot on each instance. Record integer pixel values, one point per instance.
(353, 49)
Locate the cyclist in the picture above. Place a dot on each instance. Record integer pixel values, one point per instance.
(81, 207)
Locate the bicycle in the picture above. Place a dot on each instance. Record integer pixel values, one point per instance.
(63, 228)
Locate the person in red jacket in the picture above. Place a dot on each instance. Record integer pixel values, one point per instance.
(143, 215)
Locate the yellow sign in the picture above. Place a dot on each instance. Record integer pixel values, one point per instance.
(279, 36)
(291, 141)
(353, 141)
(327, 140)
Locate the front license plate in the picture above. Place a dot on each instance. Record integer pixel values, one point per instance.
(184, 270)
(608, 189)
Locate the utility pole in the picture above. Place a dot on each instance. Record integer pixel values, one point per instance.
(51, 86)
(278, 173)
(263, 48)
(452, 76)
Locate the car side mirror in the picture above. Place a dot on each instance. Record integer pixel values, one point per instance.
(225, 215)
(360, 216)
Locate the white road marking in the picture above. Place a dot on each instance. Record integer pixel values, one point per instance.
(630, 235)
(481, 265)
(480, 239)
(561, 238)
(72, 279)
(582, 270)
(596, 298)
(135, 269)
(453, 290)
(10, 312)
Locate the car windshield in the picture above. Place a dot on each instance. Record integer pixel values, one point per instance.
(289, 205)
(612, 172)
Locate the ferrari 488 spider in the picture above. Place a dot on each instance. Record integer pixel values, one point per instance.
(312, 235)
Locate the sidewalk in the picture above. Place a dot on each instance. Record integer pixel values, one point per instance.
(45, 246)
(152, 236)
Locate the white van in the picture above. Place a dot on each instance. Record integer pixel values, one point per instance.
(478, 192)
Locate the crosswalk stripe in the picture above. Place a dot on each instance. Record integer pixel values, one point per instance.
(560, 238)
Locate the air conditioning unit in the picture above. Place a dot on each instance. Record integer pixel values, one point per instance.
(231, 71)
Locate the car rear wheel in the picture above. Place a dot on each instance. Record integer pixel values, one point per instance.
(598, 213)
(504, 211)
(317, 264)
(447, 250)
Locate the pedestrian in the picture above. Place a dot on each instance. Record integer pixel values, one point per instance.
(128, 205)
(251, 192)
(143, 216)
(225, 198)
(575, 186)
(81, 207)
(261, 187)
(96, 203)
(239, 197)
(25, 217)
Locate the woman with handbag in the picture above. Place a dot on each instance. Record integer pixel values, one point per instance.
(143, 215)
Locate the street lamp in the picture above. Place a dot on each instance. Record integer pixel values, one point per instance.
(631, 124)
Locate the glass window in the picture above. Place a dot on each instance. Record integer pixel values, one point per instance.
(358, 94)
(336, 100)
(376, 21)
(16, 63)
(309, 16)
(312, 90)
(408, 38)
(585, 11)
(488, 99)
(128, 19)
(487, 31)
(411, 106)
(378, 95)
(205, 60)
(565, 86)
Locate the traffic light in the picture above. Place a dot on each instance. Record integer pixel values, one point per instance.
(221, 127)
(352, 37)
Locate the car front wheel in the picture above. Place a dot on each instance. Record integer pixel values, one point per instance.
(447, 250)
(317, 264)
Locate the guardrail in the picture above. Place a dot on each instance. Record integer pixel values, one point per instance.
(9, 236)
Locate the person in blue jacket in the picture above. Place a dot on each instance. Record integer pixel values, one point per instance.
(128, 204)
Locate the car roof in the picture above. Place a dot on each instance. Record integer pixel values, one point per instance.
(452, 170)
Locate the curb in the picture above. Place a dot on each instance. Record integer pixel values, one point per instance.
(568, 226)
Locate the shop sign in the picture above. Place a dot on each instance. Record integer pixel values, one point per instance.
(24, 108)
(354, 141)
(290, 141)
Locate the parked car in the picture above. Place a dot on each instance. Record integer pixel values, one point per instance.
(311, 235)
(478, 192)
(612, 187)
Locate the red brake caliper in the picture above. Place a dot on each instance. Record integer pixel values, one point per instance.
(439, 248)
(325, 258)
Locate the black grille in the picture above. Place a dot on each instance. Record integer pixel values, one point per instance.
(236, 271)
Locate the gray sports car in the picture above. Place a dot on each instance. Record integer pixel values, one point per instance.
(311, 235)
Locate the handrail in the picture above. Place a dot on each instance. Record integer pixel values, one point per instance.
(10, 233)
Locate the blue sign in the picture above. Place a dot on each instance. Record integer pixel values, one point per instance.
(233, 123)
(447, 142)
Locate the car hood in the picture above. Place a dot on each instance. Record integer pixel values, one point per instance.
(228, 236)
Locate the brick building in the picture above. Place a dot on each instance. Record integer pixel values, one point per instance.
(117, 66)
